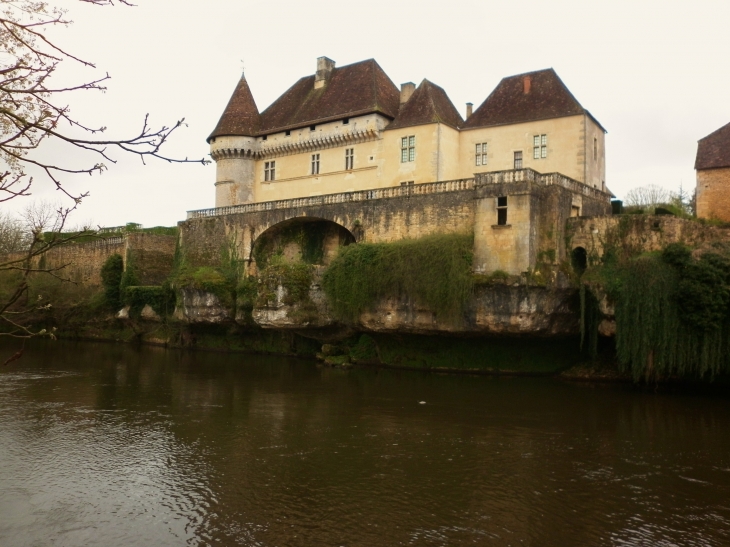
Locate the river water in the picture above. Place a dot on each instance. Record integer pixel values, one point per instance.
(109, 445)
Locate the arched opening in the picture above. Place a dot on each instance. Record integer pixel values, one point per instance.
(303, 239)
(579, 260)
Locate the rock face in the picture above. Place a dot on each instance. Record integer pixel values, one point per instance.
(494, 310)
(201, 307)
(148, 314)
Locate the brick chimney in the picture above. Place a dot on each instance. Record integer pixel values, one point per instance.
(469, 107)
(526, 84)
(325, 66)
(406, 90)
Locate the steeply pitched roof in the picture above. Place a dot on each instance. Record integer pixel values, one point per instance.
(359, 88)
(538, 95)
(241, 116)
(428, 104)
(714, 150)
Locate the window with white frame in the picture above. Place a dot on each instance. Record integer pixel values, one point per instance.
(270, 171)
(408, 149)
(481, 153)
(539, 146)
(349, 158)
(315, 164)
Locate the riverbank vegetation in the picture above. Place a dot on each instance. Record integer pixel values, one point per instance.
(434, 271)
(672, 310)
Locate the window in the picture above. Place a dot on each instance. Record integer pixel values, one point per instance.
(349, 158)
(264, 137)
(481, 154)
(595, 148)
(270, 171)
(345, 121)
(518, 159)
(502, 211)
(312, 127)
(408, 149)
(288, 133)
(539, 149)
(315, 164)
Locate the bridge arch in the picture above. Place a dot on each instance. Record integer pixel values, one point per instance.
(309, 239)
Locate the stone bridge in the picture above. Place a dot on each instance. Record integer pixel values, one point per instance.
(384, 214)
(538, 203)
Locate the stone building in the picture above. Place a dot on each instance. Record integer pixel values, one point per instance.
(713, 175)
(349, 128)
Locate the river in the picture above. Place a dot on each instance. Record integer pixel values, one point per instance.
(109, 445)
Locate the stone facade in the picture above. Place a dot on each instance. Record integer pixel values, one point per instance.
(713, 193)
(713, 175)
(637, 233)
(151, 254)
(537, 207)
(348, 141)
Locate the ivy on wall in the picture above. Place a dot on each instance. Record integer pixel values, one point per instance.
(434, 271)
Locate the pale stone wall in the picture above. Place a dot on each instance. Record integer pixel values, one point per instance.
(293, 157)
(503, 247)
(565, 142)
(441, 153)
(235, 170)
(713, 193)
(595, 163)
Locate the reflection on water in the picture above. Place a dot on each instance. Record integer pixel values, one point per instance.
(107, 445)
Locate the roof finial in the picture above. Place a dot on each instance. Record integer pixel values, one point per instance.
(243, 69)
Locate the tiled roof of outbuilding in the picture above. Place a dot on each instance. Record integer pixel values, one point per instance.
(428, 104)
(713, 151)
(241, 116)
(359, 88)
(543, 96)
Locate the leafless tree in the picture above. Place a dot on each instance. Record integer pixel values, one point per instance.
(647, 196)
(33, 111)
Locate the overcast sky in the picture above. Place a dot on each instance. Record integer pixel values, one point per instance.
(656, 74)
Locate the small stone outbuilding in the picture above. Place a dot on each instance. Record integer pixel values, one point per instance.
(713, 175)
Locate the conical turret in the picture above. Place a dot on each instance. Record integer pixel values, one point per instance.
(241, 116)
(233, 146)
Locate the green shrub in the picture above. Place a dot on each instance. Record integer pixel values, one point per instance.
(111, 280)
(295, 277)
(435, 271)
(160, 298)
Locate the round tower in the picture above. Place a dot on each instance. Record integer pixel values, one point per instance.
(233, 147)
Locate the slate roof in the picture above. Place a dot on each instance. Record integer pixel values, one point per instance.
(241, 116)
(428, 104)
(548, 97)
(713, 151)
(356, 89)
